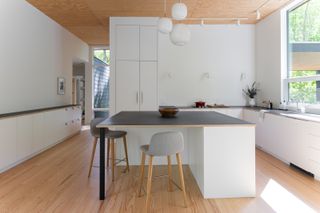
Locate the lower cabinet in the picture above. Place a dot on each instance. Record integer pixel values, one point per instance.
(23, 136)
(8, 141)
(291, 140)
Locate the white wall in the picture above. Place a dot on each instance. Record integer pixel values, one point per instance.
(223, 51)
(34, 52)
(268, 58)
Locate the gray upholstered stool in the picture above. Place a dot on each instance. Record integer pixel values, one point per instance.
(162, 144)
(111, 136)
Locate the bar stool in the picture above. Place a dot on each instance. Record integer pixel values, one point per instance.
(162, 144)
(111, 136)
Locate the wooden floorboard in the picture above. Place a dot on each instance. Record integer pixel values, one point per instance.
(56, 181)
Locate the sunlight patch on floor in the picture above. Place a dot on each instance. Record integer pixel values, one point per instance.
(84, 128)
(281, 200)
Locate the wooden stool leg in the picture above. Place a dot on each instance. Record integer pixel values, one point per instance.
(181, 178)
(149, 183)
(92, 155)
(126, 151)
(112, 157)
(143, 159)
(108, 152)
(169, 174)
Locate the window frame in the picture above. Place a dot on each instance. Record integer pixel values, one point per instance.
(107, 109)
(287, 79)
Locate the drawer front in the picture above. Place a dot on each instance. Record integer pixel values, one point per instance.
(314, 141)
(313, 154)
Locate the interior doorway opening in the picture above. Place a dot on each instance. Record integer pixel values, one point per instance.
(78, 86)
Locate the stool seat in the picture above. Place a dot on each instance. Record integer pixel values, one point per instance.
(113, 134)
(162, 144)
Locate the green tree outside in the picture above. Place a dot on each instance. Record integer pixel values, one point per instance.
(304, 26)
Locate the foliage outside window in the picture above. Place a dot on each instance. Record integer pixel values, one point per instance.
(303, 53)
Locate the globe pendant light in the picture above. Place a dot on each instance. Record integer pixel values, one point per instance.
(165, 25)
(179, 11)
(180, 34)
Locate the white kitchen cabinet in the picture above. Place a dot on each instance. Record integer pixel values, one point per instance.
(134, 64)
(8, 141)
(148, 43)
(38, 129)
(127, 85)
(148, 86)
(312, 147)
(54, 125)
(24, 136)
(252, 116)
(291, 140)
(127, 42)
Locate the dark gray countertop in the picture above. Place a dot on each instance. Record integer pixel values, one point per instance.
(184, 119)
(11, 114)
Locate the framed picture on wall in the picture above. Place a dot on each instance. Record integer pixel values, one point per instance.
(61, 86)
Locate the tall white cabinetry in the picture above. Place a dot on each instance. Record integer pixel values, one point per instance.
(134, 64)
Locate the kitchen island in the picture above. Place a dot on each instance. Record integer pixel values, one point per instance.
(219, 149)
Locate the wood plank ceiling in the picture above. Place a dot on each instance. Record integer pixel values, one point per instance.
(89, 19)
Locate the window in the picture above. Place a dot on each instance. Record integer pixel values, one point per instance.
(303, 74)
(101, 73)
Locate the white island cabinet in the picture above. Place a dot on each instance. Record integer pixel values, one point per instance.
(219, 149)
(25, 135)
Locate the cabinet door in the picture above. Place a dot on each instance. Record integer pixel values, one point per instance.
(148, 86)
(24, 136)
(8, 142)
(127, 42)
(38, 124)
(148, 43)
(127, 86)
(253, 117)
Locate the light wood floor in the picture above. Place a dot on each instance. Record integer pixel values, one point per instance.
(56, 181)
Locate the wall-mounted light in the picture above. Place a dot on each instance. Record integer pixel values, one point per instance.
(207, 76)
(243, 76)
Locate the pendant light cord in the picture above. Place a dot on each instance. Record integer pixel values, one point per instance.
(165, 8)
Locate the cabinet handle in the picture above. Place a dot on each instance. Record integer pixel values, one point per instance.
(66, 124)
(137, 97)
(141, 97)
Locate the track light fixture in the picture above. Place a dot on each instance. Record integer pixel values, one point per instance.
(258, 15)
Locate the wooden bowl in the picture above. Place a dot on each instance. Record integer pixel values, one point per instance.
(168, 112)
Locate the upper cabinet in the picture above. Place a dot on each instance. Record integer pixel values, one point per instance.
(148, 43)
(127, 42)
(134, 64)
